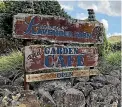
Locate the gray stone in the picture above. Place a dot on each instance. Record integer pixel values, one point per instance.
(55, 84)
(119, 89)
(69, 98)
(11, 88)
(82, 79)
(96, 85)
(99, 78)
(8, 74)
(84, 87)
(112, 80)
(4, 81)
(58, 97)
(45, 98)
(106, 96)
(116, 73)
(19, 81)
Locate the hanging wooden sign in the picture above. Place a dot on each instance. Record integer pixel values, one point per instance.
(56, 29)
(39, 57)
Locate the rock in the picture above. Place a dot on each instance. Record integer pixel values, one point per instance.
(55, 84)
(74, 98)
(4, 81)
(99, 78)
(45, 98)
(69, 98)
(84, 87)
(105, 96)
(11, 88)
(58, 97)
(112, 80)
(116, 73)
(82, 79)
(19, 81)
(8, 74)
(21, 99)
(119, 89)
(29, 99)
(96, 85)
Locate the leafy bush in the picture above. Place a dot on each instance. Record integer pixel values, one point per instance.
(110, 62)
(115, 46)
(11, 62)
(114, 58)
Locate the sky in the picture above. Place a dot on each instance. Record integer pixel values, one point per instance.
(106, 11)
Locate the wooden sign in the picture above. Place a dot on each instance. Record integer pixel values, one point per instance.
(60, 75)
(39, 57)
(56, 29)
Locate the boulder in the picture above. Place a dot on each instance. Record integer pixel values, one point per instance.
(105, 96)
(58, 97)
(55, 84)
(99, 78)
(116, 73)
(96, 85)
(29, 99)
(84, 87)
(45, 98)
(69, 98)
(4, 81)
(19, 81)
(112, 80)
(82, 79)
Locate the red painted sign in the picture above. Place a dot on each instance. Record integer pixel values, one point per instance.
(57, 29)
(39, 57)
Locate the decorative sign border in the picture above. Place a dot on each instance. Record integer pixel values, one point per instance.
(60, 75)
(57, 29)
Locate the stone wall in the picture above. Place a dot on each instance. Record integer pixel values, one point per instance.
(94, 91)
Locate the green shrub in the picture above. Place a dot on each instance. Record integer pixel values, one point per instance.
(110, 62)
(114, 58)
(11, 62)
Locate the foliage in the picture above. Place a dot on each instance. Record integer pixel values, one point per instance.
(110, 62)
(114, 58)
(115, 43)
(8, 45)
(104, 48)
(115, 46)
(10, 8)
(11, 62)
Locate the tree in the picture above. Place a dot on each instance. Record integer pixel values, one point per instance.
(10, 8)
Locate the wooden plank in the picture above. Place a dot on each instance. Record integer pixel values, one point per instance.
(59, 75)
(39, 57)
(57, 29)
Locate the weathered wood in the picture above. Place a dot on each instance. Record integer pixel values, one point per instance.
(57, 29)
(60, 75)
(39, 57)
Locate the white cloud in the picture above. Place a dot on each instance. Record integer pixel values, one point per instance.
(105, 23)
(67, 7)
(81, 16)
(111, 8)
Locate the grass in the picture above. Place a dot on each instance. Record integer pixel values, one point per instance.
(11, 62)
(114, 58)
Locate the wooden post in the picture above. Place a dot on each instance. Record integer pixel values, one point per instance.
(26, 84)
